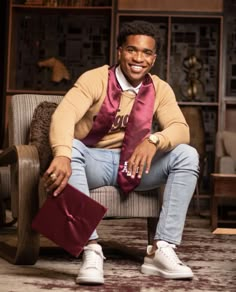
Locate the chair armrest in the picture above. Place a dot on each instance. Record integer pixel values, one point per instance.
(24, 162)
(15, 153)
(8, 156)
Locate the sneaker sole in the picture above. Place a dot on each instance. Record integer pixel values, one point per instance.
(86, 280)
(150, 270)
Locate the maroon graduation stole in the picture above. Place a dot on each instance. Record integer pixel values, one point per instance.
(138, 126)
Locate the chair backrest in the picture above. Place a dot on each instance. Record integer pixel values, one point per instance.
(225, 161)
(21, 111)
(220, 150)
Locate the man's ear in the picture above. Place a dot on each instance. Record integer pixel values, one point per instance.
(154, 60)
(118, 53)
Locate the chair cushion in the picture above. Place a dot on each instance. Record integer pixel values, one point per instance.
(39, 132)
(229, 139)
(136, 204)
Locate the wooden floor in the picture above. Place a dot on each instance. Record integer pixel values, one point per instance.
(212, 258)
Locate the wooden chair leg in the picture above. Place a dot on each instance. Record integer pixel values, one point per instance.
(151, 227)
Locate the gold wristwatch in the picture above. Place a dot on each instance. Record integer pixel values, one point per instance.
(154, 139)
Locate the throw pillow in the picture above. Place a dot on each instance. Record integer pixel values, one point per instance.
(229, 139)
(39, 132)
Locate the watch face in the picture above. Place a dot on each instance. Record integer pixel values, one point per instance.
(153, 139)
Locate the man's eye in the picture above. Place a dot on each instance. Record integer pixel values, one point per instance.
(148, 53)
(130, 50)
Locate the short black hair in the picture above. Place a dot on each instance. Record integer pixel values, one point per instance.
(138, 27)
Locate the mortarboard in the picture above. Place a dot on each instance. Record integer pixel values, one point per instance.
(69, 219)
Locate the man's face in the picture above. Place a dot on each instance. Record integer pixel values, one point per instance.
(136, 57)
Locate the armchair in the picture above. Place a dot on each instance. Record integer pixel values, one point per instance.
(27, 193)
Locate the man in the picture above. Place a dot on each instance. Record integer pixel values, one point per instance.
(109, 113)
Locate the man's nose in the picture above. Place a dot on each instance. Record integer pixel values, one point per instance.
(138, 56)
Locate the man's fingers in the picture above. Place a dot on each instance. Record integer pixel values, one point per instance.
(60, 187)
(136, 166)
(148, 164)
(141, 168)
(53, 176)
(56, 182)
(133, 166)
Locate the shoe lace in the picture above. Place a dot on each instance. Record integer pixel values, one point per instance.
(92, 257)
(169, 252)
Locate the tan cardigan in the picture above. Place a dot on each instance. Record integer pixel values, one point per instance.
(74, 116)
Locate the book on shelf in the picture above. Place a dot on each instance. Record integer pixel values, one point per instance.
(75, 3)
(34, 2)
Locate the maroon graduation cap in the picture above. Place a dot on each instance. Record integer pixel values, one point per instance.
(69, 219)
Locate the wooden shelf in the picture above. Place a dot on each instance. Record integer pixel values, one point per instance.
(44, 7)
(55, 92)
(213, 6)
(194, 103)
(230, 100)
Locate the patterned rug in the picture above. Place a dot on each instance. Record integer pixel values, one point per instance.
(212, 258)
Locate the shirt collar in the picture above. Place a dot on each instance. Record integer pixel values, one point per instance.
(124, 84)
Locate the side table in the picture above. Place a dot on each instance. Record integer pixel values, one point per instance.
(224, 187)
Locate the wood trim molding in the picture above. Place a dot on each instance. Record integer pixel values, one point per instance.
(173, 5)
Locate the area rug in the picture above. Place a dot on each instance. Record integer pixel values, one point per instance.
(212, 258)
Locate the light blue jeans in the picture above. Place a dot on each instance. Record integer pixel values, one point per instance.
(178, 169)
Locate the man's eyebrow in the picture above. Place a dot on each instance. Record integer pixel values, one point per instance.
(143, 50)
(149, 50)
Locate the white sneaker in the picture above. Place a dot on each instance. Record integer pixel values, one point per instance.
(91, 271)
(165, 263)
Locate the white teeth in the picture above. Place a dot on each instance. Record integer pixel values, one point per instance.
(136, 68)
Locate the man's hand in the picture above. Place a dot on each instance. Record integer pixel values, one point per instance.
(57, 175)
(141, 158)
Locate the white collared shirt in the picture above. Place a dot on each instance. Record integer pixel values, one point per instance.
(124, 84)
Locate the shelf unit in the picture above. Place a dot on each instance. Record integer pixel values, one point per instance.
(82, 35)
(78, 35)
(182, 37)
(228, 108)
(187, 38)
